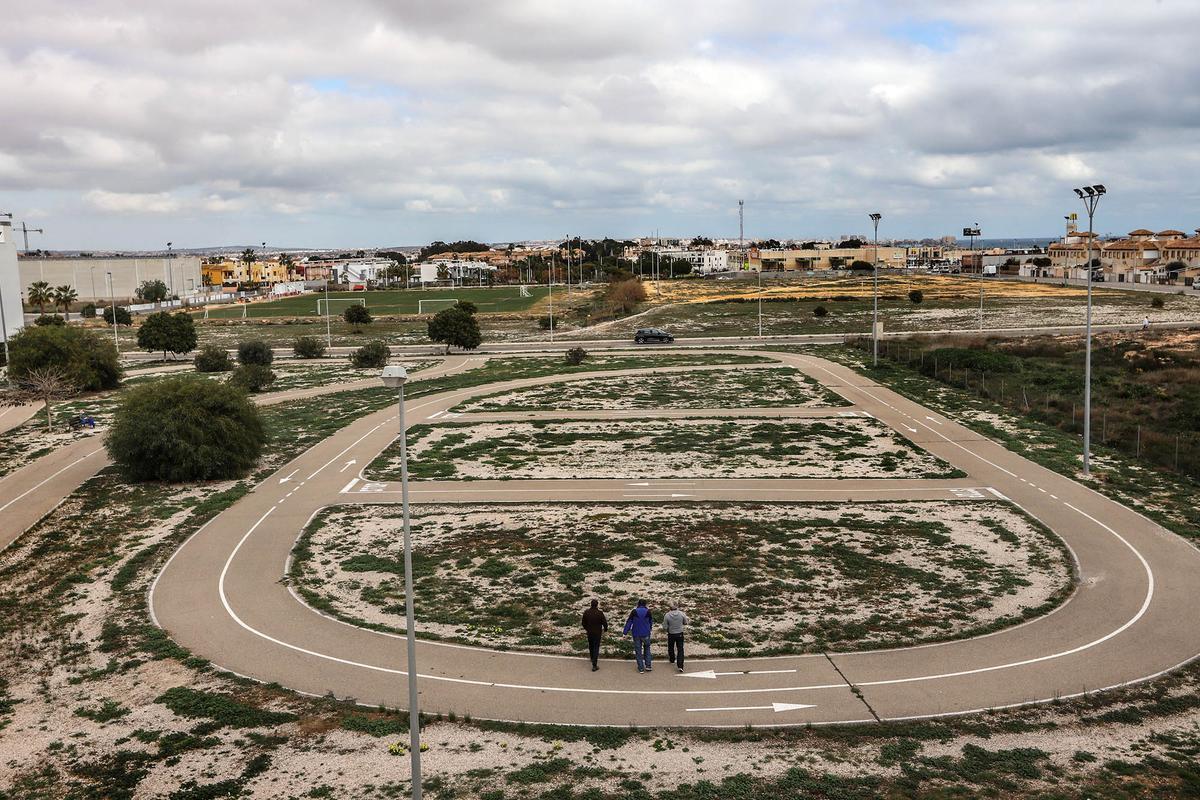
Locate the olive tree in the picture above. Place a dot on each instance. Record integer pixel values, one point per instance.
(170, 333)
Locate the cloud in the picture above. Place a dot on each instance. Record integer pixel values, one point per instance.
(430, 119)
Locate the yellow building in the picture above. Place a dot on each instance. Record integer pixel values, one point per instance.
(234, 272)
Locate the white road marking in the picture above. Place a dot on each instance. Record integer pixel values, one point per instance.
(712, 675)
(42, 483)
(658, 495)
(776, 707)
(289, 477)
(348, 486)
(934, 421)
(349, 464)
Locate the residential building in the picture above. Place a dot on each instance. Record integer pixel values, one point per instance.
(704, 262)
(821, 259)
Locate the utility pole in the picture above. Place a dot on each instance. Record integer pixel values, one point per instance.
(742, 235)
(1090, 195)
(875, 314)
(112, 304)
(170, 276)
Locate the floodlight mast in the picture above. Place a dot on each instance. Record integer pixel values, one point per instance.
(1090, 195)
(875, 313)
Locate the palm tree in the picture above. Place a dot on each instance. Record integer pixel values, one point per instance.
(63, 296)
(39, 294)
(248, 258)
(288, 263)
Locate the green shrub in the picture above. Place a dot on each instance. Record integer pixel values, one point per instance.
(220, 708)
(123, 317)
(213, 359)
(357, 315)
(820, 311)
(255, 351)
(170, 333)
(88, 311)
(88, 360)
(372, 354)
(575, 356)
(49, 319)
(252, 377)
(185, 430)
(308, 347)
(1156, 302)
(916, 296)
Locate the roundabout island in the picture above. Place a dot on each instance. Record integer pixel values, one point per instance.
(844, 554)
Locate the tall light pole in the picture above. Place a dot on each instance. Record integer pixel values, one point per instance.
(112, 304)
(550, 289)
(328, 334)
(3, 321)
(393, 378)
(971, 233)
(170, 275)
(1090, 195)
(875, 314)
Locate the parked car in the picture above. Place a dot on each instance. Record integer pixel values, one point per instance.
(652, 335)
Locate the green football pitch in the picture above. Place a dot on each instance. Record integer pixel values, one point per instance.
(387, 301)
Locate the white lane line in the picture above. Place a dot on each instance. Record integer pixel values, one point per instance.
(718, 489)
(658, 495)
(776, 707)
(348, 486)
(42, 483)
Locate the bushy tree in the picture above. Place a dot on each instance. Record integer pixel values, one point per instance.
(151, 292)
(170, 333)
(862, 266)
(357, 315)
(255, 351)
(88, 311)
(49, 319)
(252, 377)
(624, 296)
(916, 296)
(212, 358)
(820, 311)
(308, 347)
(575, 356)
(467, 306)
(1157, 302)
(371, 355)
(87, 361)
(185, 430)
(455, 328)
(123, 317)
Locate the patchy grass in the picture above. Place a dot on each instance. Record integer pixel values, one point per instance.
(755, 578)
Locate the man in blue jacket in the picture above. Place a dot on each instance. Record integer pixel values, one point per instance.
(639, 625)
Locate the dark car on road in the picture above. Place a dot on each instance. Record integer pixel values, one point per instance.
(652, 335)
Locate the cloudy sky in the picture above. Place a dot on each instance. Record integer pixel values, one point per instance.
(127, 123)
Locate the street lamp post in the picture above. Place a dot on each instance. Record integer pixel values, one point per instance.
(112, 305)
(550, 290)
(394, 377)
(170, 275)
(328, 334)
(875, 313)
(1090, 195)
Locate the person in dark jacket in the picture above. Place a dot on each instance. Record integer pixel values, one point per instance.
(595, 623)
(639, 626)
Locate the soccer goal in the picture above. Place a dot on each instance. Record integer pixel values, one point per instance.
(338, 304)
(436, 305)
(525, 292)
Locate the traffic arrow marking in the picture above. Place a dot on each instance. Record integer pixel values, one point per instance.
(711, 675)
(348, 464)
(931, 419)
(289, 477)
(776, 707)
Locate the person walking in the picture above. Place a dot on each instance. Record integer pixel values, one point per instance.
(639, 626)
(595, 623)
(1145, 323)
(673, 622)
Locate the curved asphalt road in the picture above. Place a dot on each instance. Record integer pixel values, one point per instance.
(29, 493)
(1132, 617)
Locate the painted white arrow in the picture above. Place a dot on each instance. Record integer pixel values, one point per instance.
(637, 484)
(914, 430)
(776, 707)
(931, 419)
(289, 477)
(711, 675)
(348, 464)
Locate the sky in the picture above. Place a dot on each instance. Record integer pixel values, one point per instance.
(125, 124)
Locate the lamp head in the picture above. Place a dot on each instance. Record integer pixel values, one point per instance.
(1079, 192)
(394, 376)
(1099, 188)
(876, 217)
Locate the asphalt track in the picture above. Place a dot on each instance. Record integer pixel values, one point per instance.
(29, 493)
(1131, 618)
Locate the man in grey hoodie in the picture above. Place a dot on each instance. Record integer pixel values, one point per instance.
(673, 622)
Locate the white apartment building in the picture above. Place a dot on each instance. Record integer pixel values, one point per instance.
(704, 262)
